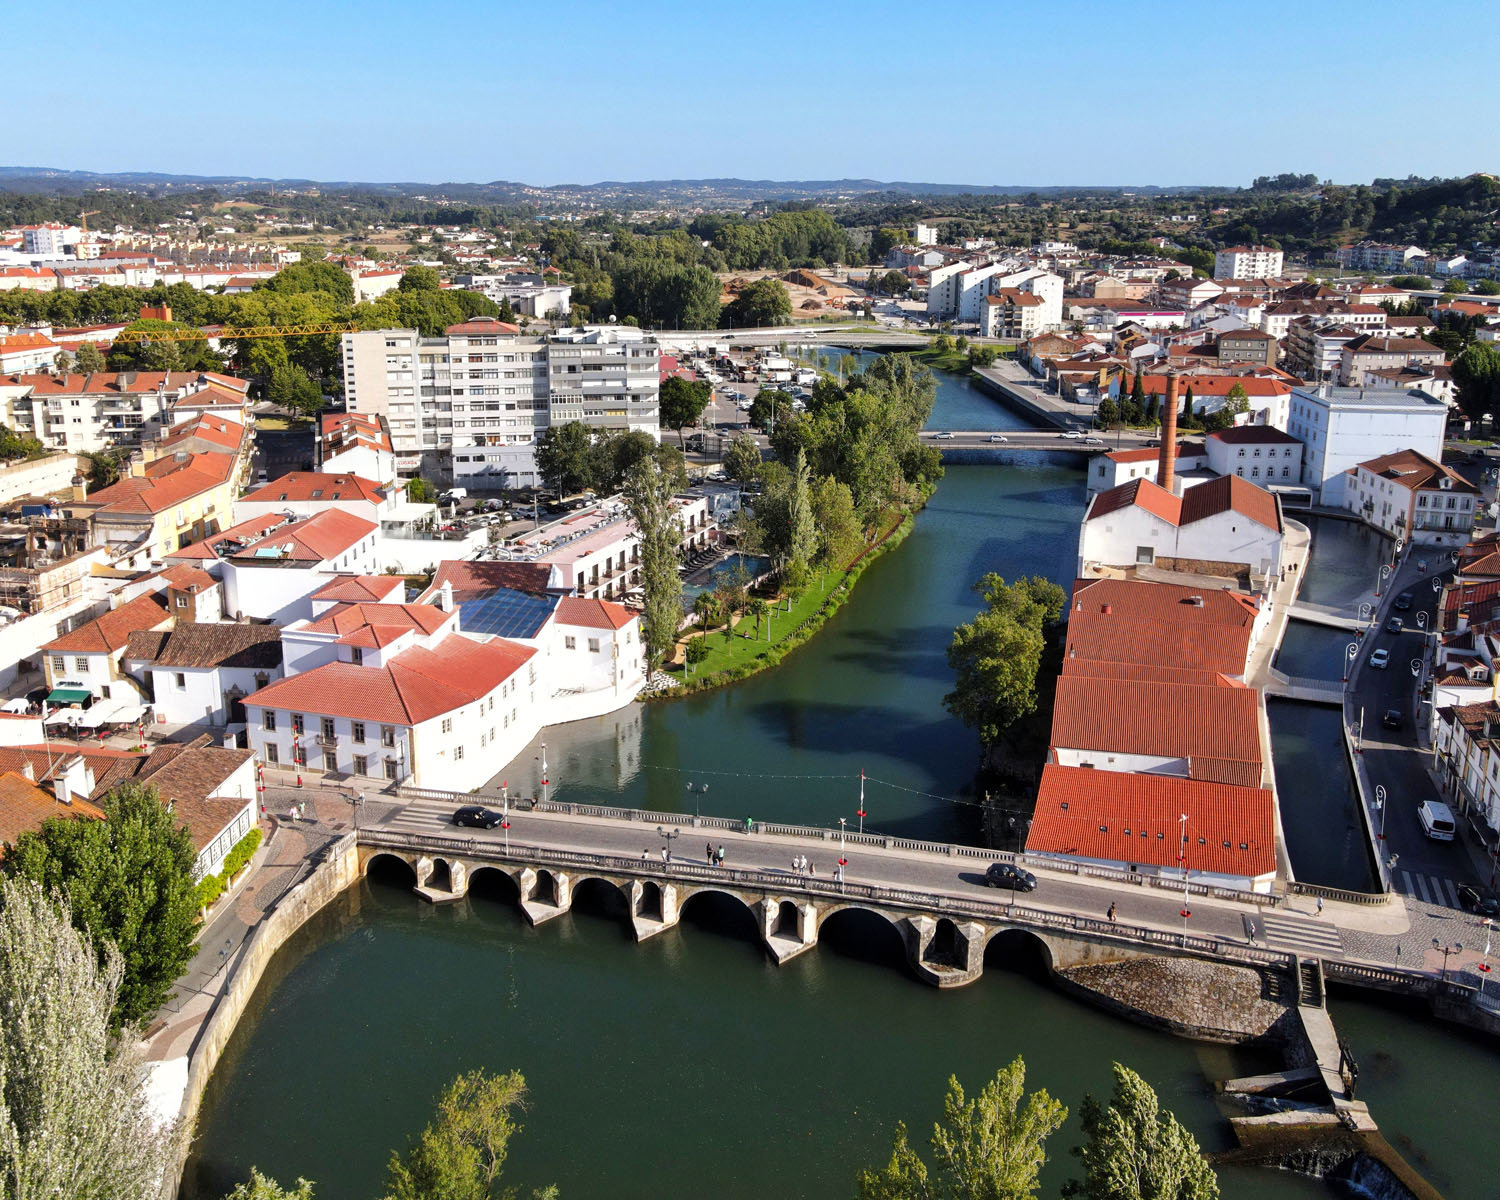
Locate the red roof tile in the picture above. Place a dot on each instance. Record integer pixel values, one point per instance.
(112, 630)
(362, 589)
(1115, 816)
(594, 614)
(318, 538)
(315, 485)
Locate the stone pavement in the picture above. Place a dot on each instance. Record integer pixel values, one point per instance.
(282, 859)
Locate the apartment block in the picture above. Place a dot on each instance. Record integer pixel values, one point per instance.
(1247, 262)
(483, 384)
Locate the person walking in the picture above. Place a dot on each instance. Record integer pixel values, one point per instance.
(1320, 906)
(665, 857)
(1111, 913)
(720, 856)
(710, 853)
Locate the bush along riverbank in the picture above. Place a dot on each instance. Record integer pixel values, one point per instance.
(810, 614)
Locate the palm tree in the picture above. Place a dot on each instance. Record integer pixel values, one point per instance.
(706, 609)
(757, 609)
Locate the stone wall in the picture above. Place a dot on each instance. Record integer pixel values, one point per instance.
(1212, 1002)
(337, 870)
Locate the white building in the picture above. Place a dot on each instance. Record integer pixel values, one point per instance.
(1247, 262)
(303, 493)
(200, 674)
(483, 384)
(1223, 525)
(1408, 495)
(945, 287)
(1260, 453)
(1377, 256)
(1340, 428)
(352, 444)
(50, 240)
(925, 235)
(270, 577)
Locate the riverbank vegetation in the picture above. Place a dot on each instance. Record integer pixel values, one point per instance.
(994, 1147)
(847, 476)
(128, 883)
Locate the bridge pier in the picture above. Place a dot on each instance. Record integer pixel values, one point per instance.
(428, 886)
(943, 952)
(788, 928)
(653, 907)
(544, 894)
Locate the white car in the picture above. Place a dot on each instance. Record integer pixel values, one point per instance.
(1072, 435)
(1380, 659)
(997, 437)
(943, 437)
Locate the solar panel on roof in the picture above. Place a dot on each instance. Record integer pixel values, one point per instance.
(506, 613)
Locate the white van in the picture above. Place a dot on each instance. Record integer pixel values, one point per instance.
(1437, 820)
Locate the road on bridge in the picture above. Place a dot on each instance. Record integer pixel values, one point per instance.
(1356, 933)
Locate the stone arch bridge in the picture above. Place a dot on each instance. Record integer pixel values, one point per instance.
(945, 937)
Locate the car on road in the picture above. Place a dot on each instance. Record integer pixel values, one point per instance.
(477, 816)
(1477, 902)
(1402, 602)
(1380, 659)
(1008, 875)
(1393, 718)
(997, 437)
(1071, 434)
(1395, 625)
(1093, 441)
(945, 436)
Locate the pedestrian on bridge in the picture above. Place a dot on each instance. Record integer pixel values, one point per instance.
(719, 856)
(710, 853)
(665, 857)
(1111, 913)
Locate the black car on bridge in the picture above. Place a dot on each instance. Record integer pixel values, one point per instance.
(1008, 875)
(477, 816)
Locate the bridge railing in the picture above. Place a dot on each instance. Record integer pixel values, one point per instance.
(877, 841)
(1333, 893)
(783, 882)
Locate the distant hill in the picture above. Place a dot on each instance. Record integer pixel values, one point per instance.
(52, 181)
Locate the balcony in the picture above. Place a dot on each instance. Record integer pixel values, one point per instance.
(330, 741)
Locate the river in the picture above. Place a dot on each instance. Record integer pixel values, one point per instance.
(690, 1064)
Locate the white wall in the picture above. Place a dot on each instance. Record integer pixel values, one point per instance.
(1283, 460)
(1340, 433)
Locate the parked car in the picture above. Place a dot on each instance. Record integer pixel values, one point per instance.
(1402, 602)
(477, 816)
(1437, 819)
(1477, 902)
(1380, 659)
(997, 437)
(1008, 875)
(1394, 718)
(1394, 625)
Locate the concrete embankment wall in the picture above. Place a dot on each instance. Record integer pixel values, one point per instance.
(338, 869)
(1018, 400)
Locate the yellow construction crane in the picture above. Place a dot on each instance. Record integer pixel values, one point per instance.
(127, 336)
(84, 217)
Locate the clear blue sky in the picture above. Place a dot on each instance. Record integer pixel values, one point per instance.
(1059, 91)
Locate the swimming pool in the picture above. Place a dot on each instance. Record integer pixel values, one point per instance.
(698, 583)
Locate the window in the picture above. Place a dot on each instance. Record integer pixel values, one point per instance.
(387, 737)
(179, 680)
(570, 643)
(447, 724)
(268, 721)
(81, 664)
(181, 601)
(356, 656)
(593, 645)
(59, 665)
(328, 731)
(357, 732)
(458, 753)
(273, 755)
(330, 761)
(361, 765)
(297, 723)
(392, 769)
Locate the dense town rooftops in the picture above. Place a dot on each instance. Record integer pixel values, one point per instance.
(24, 806)
(321, 537)
(1115, 816)
(193, 645)
(361, 589)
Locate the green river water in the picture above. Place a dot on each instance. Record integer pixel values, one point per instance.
(690, 1065)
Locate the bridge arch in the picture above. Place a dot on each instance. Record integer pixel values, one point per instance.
(599, 895)
(440, 878)
(493, 882)
(1016, 948)
(722, 912)
(945, 947)
(864, 934)
(389, 867)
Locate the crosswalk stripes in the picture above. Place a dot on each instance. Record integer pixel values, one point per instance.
(1433, 889)
(1302, 933)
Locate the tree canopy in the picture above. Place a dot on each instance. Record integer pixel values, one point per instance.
(764, 302)
(128, 880)
(996, 656)
(74, 1117)
(1135, 1151)
(683, 401)
(991, 1147)
(648, 497)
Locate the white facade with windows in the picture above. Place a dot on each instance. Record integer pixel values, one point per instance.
(1248, 262)
(1343, 427)
(1262, 455)
(1410, 496)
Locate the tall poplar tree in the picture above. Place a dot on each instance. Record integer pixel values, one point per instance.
(648, 497)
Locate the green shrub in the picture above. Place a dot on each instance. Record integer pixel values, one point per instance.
(240, 854)
(210, 888)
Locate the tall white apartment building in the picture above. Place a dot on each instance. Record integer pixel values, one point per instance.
(1342, 427)
(925, 235)
(484, 385)
(1247, 262)
(49, 240)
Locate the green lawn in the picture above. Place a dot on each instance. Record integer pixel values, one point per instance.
(743, 646)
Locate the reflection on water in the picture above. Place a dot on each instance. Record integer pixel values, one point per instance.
(1345, 560)
(1325, 834)
(1313, 651)
(960, 404)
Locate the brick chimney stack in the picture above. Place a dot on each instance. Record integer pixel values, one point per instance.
(1166, 467)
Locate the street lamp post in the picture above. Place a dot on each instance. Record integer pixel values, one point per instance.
(1484, 963)
(1385, 570)
(1350, 653)
(1182, 858)
(861, 813)
(667, 835)
(545, 780)
(1447, 950)
(1380, 804)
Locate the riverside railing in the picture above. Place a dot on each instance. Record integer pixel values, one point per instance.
(876, 841)
(925, 903)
